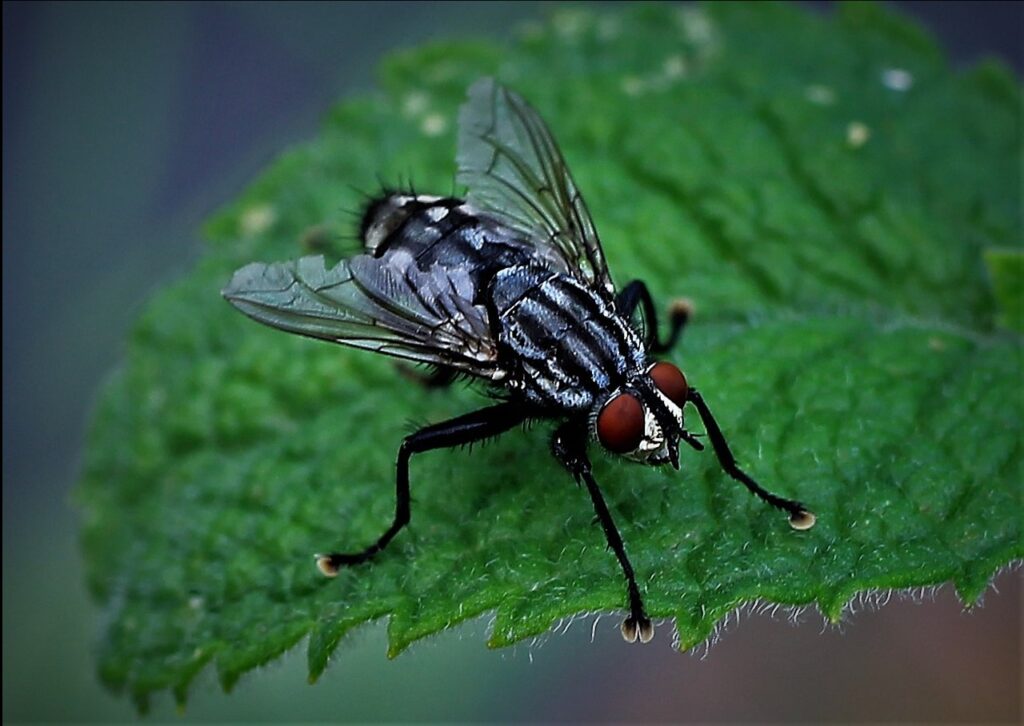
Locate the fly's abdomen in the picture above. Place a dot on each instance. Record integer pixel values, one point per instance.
(444, 232)
(564, 345)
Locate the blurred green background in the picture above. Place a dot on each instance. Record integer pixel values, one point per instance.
(124, 126)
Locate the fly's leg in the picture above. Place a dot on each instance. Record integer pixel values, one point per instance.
(637, 625)
(636, 293)
(799, 516)
(569, 447)
(465, 429)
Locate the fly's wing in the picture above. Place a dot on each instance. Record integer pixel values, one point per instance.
(514, 172)
(388, 306)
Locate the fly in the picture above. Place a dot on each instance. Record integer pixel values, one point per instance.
(509, 286)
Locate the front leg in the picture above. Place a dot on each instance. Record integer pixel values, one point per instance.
(800, 517)
(569, 445)
(465, 429)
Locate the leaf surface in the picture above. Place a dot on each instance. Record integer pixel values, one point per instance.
(828, 192)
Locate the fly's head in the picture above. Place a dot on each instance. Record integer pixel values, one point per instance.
(643, 419)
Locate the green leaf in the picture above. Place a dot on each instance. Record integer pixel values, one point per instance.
(825, 190)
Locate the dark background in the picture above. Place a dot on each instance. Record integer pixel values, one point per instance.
(124, 126)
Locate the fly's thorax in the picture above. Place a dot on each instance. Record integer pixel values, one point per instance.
(643, 419)
(564, 344)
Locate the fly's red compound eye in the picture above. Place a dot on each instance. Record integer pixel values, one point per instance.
(670, 381)
(620, 425)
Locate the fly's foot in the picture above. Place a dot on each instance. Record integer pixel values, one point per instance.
(637, 627)
(327, 565)
(330, 565)
(802, 519)
(681, 310)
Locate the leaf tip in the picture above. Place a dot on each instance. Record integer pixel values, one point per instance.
(834, 605)
(180, 693)
(228, 678)
(141, 699)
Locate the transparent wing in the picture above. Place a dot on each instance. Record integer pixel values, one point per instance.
(377, 304)
(513, 170)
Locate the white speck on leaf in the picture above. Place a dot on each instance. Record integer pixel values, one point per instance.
(415, 103)
(434, 124)
(633, 86)
(897, 79)
(608, 27)
(530, 30)
(857, 134)
(696, 25)
(674, 66)
(256, 220)
(820, 95)
(570, 23)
